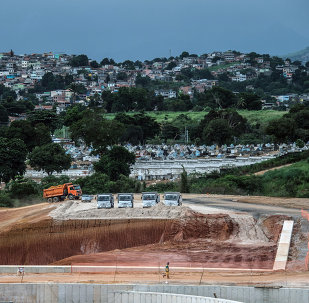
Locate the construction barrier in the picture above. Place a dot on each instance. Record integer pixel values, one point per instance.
(305, 214)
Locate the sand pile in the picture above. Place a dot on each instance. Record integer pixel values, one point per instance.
(74, 210)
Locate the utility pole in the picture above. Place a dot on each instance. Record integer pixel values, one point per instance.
(186, 135)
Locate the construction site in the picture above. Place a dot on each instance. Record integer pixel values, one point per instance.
(209, 240)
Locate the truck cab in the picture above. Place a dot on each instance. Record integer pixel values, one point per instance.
(125, 200)
(105, 201)
(150, 199)
(172, 199)
(74, 191)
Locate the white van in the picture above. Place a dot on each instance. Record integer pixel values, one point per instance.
(125, 200)
(150, 199)
(105, 200)
(172, 199)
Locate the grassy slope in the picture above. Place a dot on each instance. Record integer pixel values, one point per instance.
(261, 116)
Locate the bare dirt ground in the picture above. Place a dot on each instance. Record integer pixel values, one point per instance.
(274, 279)
(213, 231)
(9, 217)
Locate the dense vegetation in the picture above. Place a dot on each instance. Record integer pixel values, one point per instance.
(138, 115)
(291, 181)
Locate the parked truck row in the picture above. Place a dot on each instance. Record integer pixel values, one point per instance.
(106, 200)
(149, 199)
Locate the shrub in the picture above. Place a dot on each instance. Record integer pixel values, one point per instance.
(5, 199)
(22, 188)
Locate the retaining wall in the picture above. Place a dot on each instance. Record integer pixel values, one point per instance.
(97, 293)
(12, 269)
(156, 297)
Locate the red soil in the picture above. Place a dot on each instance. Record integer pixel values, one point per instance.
(194, 253)
(29, 236)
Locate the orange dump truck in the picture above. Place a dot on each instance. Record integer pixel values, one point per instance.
(60, 192)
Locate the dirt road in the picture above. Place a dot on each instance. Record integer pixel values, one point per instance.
(273, 279)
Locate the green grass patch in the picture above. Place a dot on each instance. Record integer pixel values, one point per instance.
(257, 116)
(282, 160)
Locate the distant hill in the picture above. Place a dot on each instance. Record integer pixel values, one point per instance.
(302, 55)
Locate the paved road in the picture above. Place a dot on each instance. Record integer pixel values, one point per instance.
(205, 204)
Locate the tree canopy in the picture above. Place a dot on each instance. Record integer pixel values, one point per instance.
(13, 154)
(115, 162)
(80, 60)
(49, 158)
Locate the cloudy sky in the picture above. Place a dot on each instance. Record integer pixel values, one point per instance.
(144, 29)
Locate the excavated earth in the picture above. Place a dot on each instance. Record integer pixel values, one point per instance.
(78, 233)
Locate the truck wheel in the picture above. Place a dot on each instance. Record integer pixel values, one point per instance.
(71, 197)
(55, 199)
(50, 200)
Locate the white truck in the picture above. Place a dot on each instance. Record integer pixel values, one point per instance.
(150, 199)
(125, 200)
(172, 199)
(105, 201)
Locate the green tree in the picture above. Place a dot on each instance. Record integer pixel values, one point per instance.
(22, 188)
(6, 92)
(171, 65)
(115, 162)
(300, 143)
(96, 131)
(107, 61)
(142, 81)
(217, 131)
(128, 64)
(49, 158)
(4, 117)
(15, 108)
(148, 125)
(236, 124)
(184, 54)
(283, 129)
(30, 135)
(73, 114)
(13, 154)
(217, 98)
(49, 118)
(184, 183)
(5, 199)
(80, 60)
(249, 101)
(94, 64)
(169, 131)
(122, 76)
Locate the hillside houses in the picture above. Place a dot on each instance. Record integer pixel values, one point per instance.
(24, 73)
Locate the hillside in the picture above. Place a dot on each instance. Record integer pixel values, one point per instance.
(302, 55)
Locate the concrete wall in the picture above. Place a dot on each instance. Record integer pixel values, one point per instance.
(12, 269)
(159, 169)
(97, 293)
(156, 297)
(168, 169)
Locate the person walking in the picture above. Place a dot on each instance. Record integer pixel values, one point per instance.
(167, 270)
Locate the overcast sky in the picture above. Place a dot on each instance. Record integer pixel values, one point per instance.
(144, 29)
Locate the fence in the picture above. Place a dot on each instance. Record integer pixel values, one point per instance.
(305, 214)
(100, 293)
